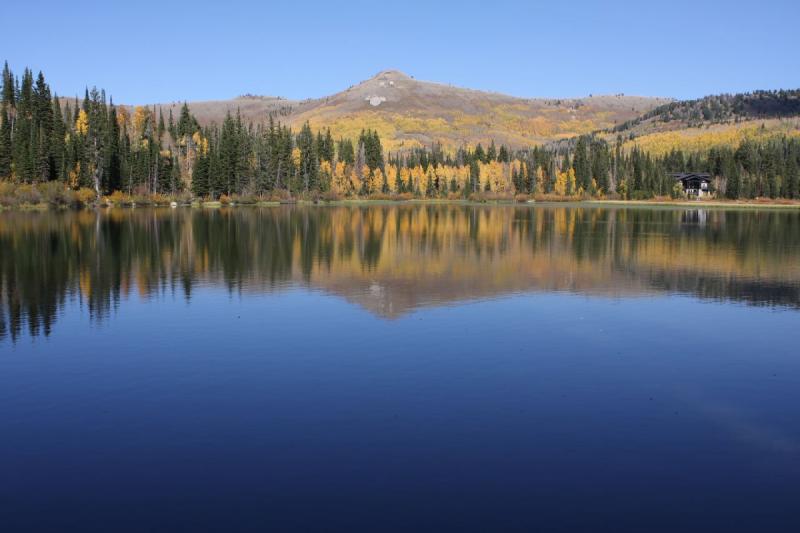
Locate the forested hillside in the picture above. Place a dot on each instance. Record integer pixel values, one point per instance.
(64, 152)
(721, 108)
(409, 113)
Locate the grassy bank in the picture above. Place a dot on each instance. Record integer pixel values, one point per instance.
(53, 195)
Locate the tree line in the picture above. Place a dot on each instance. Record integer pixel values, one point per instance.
(94, 144)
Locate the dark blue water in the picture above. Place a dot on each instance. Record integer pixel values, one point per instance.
(400, 368)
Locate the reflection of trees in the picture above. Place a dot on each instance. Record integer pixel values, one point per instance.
(416, 254)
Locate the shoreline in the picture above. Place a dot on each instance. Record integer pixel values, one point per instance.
(216, 204)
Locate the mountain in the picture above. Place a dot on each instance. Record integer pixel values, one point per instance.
(408, 113)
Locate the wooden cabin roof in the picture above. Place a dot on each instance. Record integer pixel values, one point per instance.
(683, 176)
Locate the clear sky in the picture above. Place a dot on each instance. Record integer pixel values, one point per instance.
(146, 51)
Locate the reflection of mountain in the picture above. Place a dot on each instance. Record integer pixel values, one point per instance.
(393, 259)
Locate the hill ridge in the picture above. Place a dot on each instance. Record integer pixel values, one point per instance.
(410, 113)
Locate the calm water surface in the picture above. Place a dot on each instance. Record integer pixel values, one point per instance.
(409, 368)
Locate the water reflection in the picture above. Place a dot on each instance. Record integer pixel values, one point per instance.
(391, 259)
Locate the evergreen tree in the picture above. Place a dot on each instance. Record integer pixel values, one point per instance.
(581, 164)
(491, 154)
(479, 154)
(6, 149)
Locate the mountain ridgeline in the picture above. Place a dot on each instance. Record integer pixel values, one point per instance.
(404, 139)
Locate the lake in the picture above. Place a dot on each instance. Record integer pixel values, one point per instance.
(409, 367)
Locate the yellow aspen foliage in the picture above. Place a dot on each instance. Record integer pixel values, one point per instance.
(462, 176)
(82, 123)
(326, 171)
(428, 178)
(355, 180)
(571, 181)
(496, 174)
(122, 117)
(141, 117)
(560, 186)
(74, 175)
(296, 156)
(405, 174)
(391, 177)
(340, 184)
(539, 187)
(417, 176)
(376, 181)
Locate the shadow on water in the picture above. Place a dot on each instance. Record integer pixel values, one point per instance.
(391, 259)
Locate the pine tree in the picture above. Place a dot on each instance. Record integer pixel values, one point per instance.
(57, 142)
(309, 160)
(111, 146)
(474, 176)
(479, 154)
(6, 149)
(503, 155)
(581, 164)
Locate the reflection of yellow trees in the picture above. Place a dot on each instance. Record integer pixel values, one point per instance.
(393, 258)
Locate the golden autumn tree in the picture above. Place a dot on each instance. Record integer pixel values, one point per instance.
(376, 181)
(355, 180)
(570, 177)
(326, 174)
(82, 123)
(417, 177)
(141, 122)
(538, 187)
(560, 186)
(340, 183)
(391, 177)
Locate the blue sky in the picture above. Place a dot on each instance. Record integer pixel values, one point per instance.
(147, 51)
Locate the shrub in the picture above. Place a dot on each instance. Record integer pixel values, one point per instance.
(119, 198)
(7, 197)
(183, 198)
(246, 199)
(85, 196)
(553, 198)
(159, 199)
(280, 195)
(489, 196)
(54, 193)
(28, 194)
(224, 199)
(329, 196)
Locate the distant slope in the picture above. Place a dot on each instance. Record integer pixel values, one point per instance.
(691, 139)
(717, 120)
(409, 113)
(718, 108)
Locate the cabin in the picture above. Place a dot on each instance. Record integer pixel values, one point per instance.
(695, 184)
